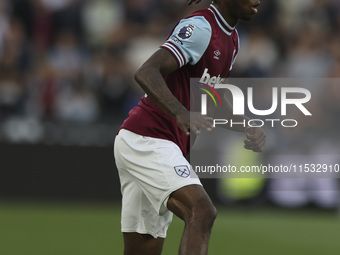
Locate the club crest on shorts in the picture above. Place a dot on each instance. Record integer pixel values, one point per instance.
(186, 32)
(182, 171)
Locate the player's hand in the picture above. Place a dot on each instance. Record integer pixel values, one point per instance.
(193, 122)
(192, 1)
(256, 139)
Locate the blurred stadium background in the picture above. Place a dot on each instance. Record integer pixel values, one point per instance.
(66, 69)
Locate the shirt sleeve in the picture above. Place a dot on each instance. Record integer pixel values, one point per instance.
(189, 40)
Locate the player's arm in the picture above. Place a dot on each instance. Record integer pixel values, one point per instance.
(150, 77)
(255, 136)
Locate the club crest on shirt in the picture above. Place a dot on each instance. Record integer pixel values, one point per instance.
(182, 171)
(186, 32)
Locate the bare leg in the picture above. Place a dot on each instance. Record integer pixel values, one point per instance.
(138, 244)
(193, 205)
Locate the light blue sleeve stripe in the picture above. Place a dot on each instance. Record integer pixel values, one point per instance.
(191, 36)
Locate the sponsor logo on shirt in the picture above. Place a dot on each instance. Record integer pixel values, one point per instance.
(186, 32)
(210, 80)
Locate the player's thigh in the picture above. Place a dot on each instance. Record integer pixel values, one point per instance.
(157, 165)
(191, 199)
(142, 244)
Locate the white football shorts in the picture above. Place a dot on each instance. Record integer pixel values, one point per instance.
(150, 169)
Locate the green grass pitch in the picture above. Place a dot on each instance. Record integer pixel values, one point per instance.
(40, 229)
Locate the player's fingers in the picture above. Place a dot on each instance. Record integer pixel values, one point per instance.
(206, 125)
(250, 130)
(185, 129)
(195, 130)
(249, 144)
(254, 133)
(261, 146)
(202, 122)
(255, 140)
(251, 133)
(256, 136)
(195, 127)
(208, 122)
(250, 147)
(259, 138)
(207, 118)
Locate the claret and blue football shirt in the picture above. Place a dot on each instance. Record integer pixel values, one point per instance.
(205, 47)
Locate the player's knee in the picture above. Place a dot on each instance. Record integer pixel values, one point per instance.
(204, 215)
(210, 214)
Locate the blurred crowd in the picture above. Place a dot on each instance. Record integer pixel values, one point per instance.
(73, 60)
